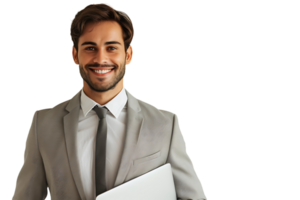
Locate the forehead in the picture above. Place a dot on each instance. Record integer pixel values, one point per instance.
(101, 32)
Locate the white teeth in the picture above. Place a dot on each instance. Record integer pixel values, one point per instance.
(102, 71)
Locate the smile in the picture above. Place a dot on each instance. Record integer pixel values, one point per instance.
(101, 72)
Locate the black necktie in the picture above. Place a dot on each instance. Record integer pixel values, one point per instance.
(100, 152)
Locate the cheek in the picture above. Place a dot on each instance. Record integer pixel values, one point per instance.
(118, 57)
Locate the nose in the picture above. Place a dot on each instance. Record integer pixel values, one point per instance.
(101, 57)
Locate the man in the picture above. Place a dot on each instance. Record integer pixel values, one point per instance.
(65, 149)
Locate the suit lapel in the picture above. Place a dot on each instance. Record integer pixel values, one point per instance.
(133, 127)
(70, 130)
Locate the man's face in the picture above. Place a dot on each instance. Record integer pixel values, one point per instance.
(101, 47)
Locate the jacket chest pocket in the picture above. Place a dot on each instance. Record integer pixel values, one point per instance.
(146, 158)
(145, 164)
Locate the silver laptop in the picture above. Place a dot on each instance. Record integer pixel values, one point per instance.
(157, 184)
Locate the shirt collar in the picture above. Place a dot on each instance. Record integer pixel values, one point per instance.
(115, 105)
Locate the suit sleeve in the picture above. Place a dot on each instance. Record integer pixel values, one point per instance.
(187, 184)
(31, 182)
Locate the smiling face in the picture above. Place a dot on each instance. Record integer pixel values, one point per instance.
(101, 47)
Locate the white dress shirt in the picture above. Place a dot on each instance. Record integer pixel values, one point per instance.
(85, 141)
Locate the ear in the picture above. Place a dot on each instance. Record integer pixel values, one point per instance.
(128, 55)
(75, 56)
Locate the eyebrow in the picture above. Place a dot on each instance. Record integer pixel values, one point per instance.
(106, 43)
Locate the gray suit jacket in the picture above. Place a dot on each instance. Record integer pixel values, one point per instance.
(153, 138)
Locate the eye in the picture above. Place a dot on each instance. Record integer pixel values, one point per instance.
(112, 48)
(90, 48)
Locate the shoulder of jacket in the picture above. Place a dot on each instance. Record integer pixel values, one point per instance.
(153, 110)
(59, 108)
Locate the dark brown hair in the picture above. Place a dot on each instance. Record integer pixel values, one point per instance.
(101, 12)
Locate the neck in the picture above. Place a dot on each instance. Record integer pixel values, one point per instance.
(102, 97)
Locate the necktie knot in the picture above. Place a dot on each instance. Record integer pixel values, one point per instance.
(101, 111)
